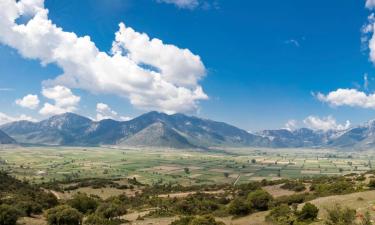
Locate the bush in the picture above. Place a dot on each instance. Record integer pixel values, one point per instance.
(239, 207)
(281, 215)
(83, 203)
(371, 184)
(110, 210)
(309, 212)
(259, 199)
(95, 219)
(8, 215)
(340, 216)
(27, 208)
(294, 186)
(200, 220)
(63, 215)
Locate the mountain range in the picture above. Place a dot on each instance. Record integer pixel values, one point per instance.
(176, 131)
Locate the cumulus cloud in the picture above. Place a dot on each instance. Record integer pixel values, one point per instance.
(291, 125)
(325, 123)
(4, 118)
(151, 74)
(187, 4)
(63, 98)
(29, 101)
(103, 111)
(348, 97)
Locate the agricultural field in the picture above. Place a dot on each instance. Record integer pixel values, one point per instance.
(156, 166)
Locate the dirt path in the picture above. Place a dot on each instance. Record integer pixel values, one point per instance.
(238, 178)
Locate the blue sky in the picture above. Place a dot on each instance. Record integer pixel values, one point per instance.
(263, 60)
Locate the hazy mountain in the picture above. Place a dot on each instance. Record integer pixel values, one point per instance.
(296, 138)
(177, 131)
(5, 139)
(150, 129)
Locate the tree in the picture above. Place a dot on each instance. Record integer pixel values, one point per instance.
(205, 220)
(239, 207)
(371, 184)
(83, 203)
(187, 170)
(8, 215)
(64, 215)
(200, 220)
(110, 210)
(340, 216)
(281, 215)
(253, 161)
(29, 207)
(259, 199)
(95, 219)
(309, 212)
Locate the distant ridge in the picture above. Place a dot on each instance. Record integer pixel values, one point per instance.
(156, 129)
(5, 139)
(151, 129)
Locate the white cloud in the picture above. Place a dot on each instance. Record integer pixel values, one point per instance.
(29, 101)
(4, 118)
(370, 4)
(187, 4)
(293, 42)
(348, 97)
(64, 101)
(325, 123)
(291, 125)
(103, 111)
(151, 74)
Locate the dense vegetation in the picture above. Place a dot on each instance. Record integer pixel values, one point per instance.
(201, 206)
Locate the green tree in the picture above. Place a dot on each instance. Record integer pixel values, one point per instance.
(8, 215)
(95, 219)
(281, 215)
(27, 208)
(340, 216)
(309, 212)
(199, 220)
(111, 210)
(205, 220)
(239, 207)
(64, 215)
(83, 203)
(259, 199)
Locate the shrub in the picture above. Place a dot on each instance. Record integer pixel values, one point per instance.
(28, 207)
(95, 219)
(309, 212)
(281, 215)
(259, 199)
(8, 215)
(110, 210)
(83, 203)
(294, 186)
(63, 215)
(340, 216)
(238, 207)
(200, 220)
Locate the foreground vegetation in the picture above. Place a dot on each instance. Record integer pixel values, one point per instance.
(185, 205)
(68, 186)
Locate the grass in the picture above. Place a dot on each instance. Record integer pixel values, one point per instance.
(40, 164)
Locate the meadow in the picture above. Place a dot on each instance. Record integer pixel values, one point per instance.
(157, 166)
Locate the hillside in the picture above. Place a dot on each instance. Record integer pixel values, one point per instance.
(150, 129)
(5, 139)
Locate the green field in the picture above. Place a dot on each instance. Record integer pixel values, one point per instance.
(168, 166)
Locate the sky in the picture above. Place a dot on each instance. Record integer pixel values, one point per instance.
(254, 64)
